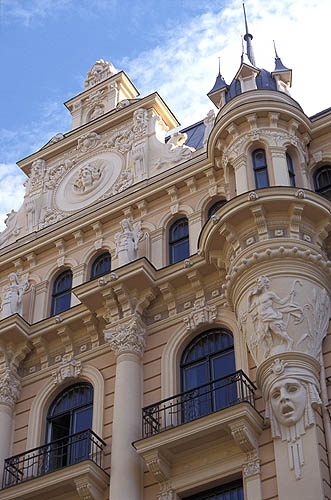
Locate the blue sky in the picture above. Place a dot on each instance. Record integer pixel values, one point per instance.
(167, 45)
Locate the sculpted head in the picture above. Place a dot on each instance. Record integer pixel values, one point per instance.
(288, 399)
(13, 278)
(262, 282)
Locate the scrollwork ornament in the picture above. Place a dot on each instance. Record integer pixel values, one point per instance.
(126, 337)
(9, 388)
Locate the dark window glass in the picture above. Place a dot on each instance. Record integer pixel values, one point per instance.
(230, 491)
(179, 245)
(100, 266)
(213, 209)
(70, 412)
(260, 169)
(290, 170)
(207, 359)
(61, 293)
(322, 180)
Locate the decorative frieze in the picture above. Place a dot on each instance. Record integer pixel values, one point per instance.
(69, 368)
(126, 337)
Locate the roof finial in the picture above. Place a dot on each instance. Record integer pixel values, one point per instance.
(276, 55)
(219, 65)
(248, 38)
(242, 49)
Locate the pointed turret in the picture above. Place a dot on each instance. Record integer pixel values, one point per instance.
(217, 93)
(281, 74)
(248, 39)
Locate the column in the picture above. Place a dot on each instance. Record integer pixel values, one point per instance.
(240, 172)
(9, 392)
(284, 317)
(127, 341)
(279, 163)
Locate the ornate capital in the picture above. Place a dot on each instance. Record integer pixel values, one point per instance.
(166, 492)
(252, 466)
(201, 314)
(68, 369)
(9, 388)
(127, 337)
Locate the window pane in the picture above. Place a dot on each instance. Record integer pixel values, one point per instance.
(101, 265)
(261, 178)
(180, 251)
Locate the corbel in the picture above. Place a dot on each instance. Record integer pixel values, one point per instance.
(146, 297)
(31, 259)
(18, 263)
(143, 207)
(292, 126)
(191, 184)
(173, 193)
(65, 336)
(98, 229)
(233, 130)
(244, 435)
(61, 249)
(252, 120)
(79, 237)
(273, 119)
(91, 325)
(295, 215)
(195, 280)
(158, 466)
(228, 232)
(260, 221)
(19, 354)
(168, 294)
(112, 310)
(40, 346)
(86, 488)
(124, 298)
(128, 213)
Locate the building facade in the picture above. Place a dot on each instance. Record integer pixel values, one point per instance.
(165, 300)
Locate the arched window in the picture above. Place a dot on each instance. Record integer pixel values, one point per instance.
(213, 209)
(179, 245)
(260, 169)
(208, 361)
(100, 265)
(322, 179)
(68, 417)
(290, 169)
(61, 295)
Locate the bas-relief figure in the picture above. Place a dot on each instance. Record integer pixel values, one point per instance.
(270, 315)
(12, 301)
(291, 392)
(86, 179)
(126, 241)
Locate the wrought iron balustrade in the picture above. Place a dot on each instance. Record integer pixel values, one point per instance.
(69, 450)
(197, 402)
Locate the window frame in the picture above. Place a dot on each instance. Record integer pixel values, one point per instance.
(56, 295)
(324, 190)
(258, 169)
(175, 242)
(95, 262)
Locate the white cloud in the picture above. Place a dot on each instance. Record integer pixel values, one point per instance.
(183, 67)
(12, 190)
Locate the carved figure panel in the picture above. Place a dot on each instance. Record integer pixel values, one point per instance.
(12, 298)
(127, 240)
(284, 315)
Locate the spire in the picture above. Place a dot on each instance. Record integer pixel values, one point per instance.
(219, 87)
(279, 66)
(248, 38)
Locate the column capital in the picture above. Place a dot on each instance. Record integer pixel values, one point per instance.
(9, 388)
(127, 337)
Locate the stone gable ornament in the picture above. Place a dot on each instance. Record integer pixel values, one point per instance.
(100, 71)
(88, 141)
(201, 314)
(69, 368)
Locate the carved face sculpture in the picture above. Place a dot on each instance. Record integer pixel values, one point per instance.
(263, 282)
(288, 400)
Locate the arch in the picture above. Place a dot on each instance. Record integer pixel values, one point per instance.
(170, 360)
(53, 271)
(168, 217)
(322, 181)
(43, 399)
(92, 252)
(214, 207)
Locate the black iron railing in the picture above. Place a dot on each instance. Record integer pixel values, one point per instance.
(69, 450)
(198, 402)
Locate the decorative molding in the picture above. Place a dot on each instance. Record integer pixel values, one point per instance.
(88, 141)
(127, 337)
(69, 368)
(201, 314)
(9, 388)
(158, 466)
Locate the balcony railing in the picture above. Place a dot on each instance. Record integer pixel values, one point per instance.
(198, 402)
(50, 457)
